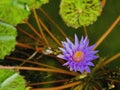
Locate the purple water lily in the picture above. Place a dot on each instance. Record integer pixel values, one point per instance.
(78, 55)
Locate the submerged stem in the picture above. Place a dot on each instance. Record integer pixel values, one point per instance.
(111, 59)
(85, 31)
(39, 69)
(40, 29)
(24, 46)
(59, 87)
(48, 82)
(28, 34)
(57, 26)
(48, 31)
(34, 30)
(28, 47)
(107, 32)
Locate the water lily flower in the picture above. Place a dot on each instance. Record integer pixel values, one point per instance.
(79, 55)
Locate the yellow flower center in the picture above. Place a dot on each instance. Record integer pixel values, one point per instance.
(78, 56)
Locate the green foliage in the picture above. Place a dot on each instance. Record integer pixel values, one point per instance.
(12, 12)
(33, 3)
(10, 80)
(7, 39)
(15, 11)
(77, 13)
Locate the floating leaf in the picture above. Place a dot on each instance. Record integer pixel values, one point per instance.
(12, 12)
(10, 80)
(76, 13)
(33, 3)
(7, 39)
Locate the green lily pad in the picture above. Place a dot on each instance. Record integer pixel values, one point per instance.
(33, 3)
(10, 80)
(12, 12)
(8, 35)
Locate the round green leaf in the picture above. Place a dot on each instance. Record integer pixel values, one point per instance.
(77, 13)
(8, 35)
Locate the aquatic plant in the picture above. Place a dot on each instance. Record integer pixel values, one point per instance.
(17, 10)
(38, 39)
(9, 80)
(78, 55)
(77, 13)
(8, 35)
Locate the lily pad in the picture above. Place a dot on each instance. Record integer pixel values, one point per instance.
(8, 35)
(12, 12)
(10, 80)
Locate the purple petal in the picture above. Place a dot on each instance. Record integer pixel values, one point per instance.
(63, 50)
(76, 42)
(71, 45)
(81, 69)
(67, 48)
(90, 64)
(91, 47)
(87, 69)
(65, 64)
(61, 56)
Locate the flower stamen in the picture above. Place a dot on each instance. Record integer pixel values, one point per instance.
(78, 56)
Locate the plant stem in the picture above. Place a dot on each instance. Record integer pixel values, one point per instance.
(107, 33)
(110, 59)
(85, 31)
(40, 29)
(31, 62)
(28, 47)
(24, 46)
(34, 30)
(48, 82)
(29, 58)
(48, 31)
(39, 69)
(36, 63)
(59, 87)
(28, 34)
(56, 25)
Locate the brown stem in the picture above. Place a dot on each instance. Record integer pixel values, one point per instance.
(107, 32)
(24, 46)
(39, 49)
(110, 59)
(36, 63)
(48, 31)
(30, 57)
(48, 82)
(85, 31)
(28, 34)
(40, 29)
(32, 62)
(34, 30)
(59, 87)
(39, 69)
(56, 25)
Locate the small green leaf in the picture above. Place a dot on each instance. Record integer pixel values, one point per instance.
(8, 35)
